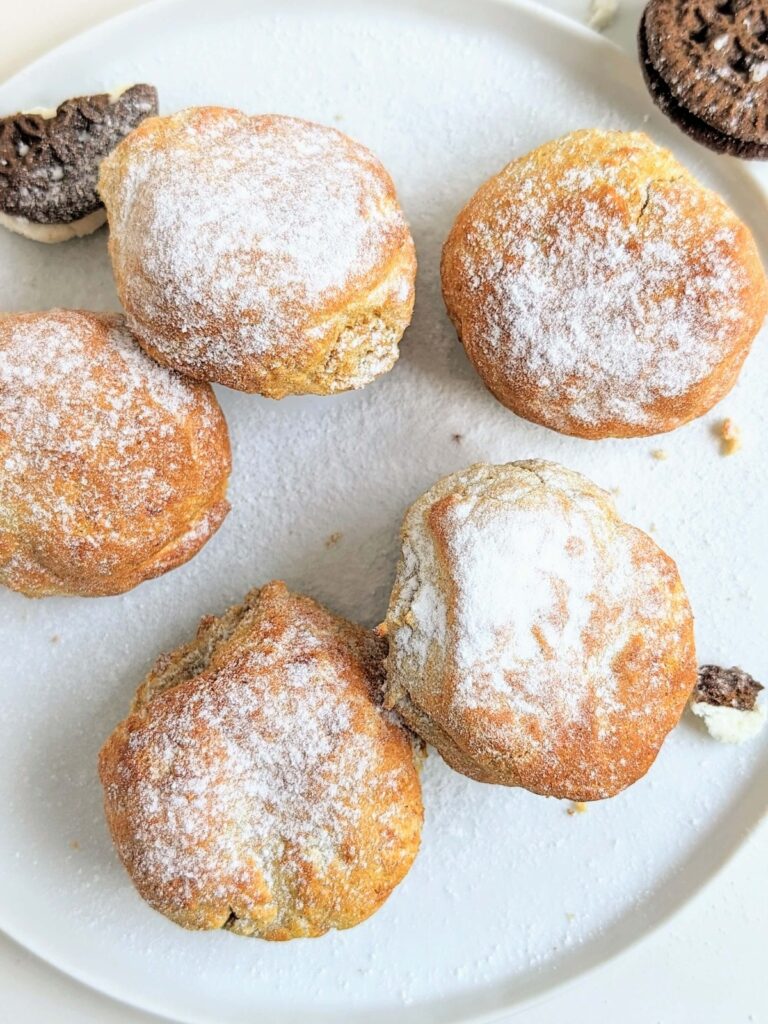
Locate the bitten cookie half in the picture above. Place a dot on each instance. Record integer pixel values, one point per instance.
(257, 784)
(266, 253)
(600, 290)
(536, 640)
(114, 469)
(49, 161)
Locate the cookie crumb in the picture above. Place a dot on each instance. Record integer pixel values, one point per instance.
(333, 539)
(730, 437)
(602, 13)
(726, 701)
(577, 807)
(55, 638)
(727, 687)
(659, 454)
(457, 438)
(74, 844)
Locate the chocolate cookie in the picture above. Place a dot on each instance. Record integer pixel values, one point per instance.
(49, 161)
(706, 66)
(727, 687)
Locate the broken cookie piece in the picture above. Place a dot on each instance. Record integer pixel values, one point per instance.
(602, 14)
(730, 438)
(726, 700)
(49, 161)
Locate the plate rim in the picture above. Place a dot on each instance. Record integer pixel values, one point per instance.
(551, 985)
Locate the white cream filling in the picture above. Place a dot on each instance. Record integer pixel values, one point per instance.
(49, 112)
(51, 233)
(729, 725)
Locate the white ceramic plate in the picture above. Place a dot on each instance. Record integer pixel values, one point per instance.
(510, 895)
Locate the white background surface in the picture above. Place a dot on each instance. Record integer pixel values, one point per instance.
(706, 966)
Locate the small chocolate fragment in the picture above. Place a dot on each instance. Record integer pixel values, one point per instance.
(706, 67)
(726, 687)
(49, 165)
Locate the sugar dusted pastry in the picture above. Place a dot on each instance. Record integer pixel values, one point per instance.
(49, 161)
(114, 469)
(536, 640)
(257, 785)
(600, 290)
(265, 253)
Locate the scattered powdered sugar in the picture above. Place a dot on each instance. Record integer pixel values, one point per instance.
(499, 868)
(93, 438)
(243, 228)
(601, 312)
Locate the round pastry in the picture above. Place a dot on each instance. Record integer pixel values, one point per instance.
(114, 468)
(599, 290)
(265, 253)
(257, 785)
(536, 640)
(706, 66)
(49, 161)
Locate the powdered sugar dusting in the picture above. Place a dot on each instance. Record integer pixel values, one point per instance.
(542, 591)
(266, 774)
(601, 291)
(242, 228)
(508, 891)
(82, 409)
(252, 785)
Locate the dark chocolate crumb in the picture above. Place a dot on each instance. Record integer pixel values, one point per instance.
(49, 166)
(726, 687)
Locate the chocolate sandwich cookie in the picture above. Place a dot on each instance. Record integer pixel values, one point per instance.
(706, 66)
(49, 161)
(726, 701)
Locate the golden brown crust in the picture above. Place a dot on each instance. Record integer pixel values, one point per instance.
(266, 253)
(116, 469)
(600, 291)
(536, 640)
(257, 785)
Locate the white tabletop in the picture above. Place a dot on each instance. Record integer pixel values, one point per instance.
(706, 966)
